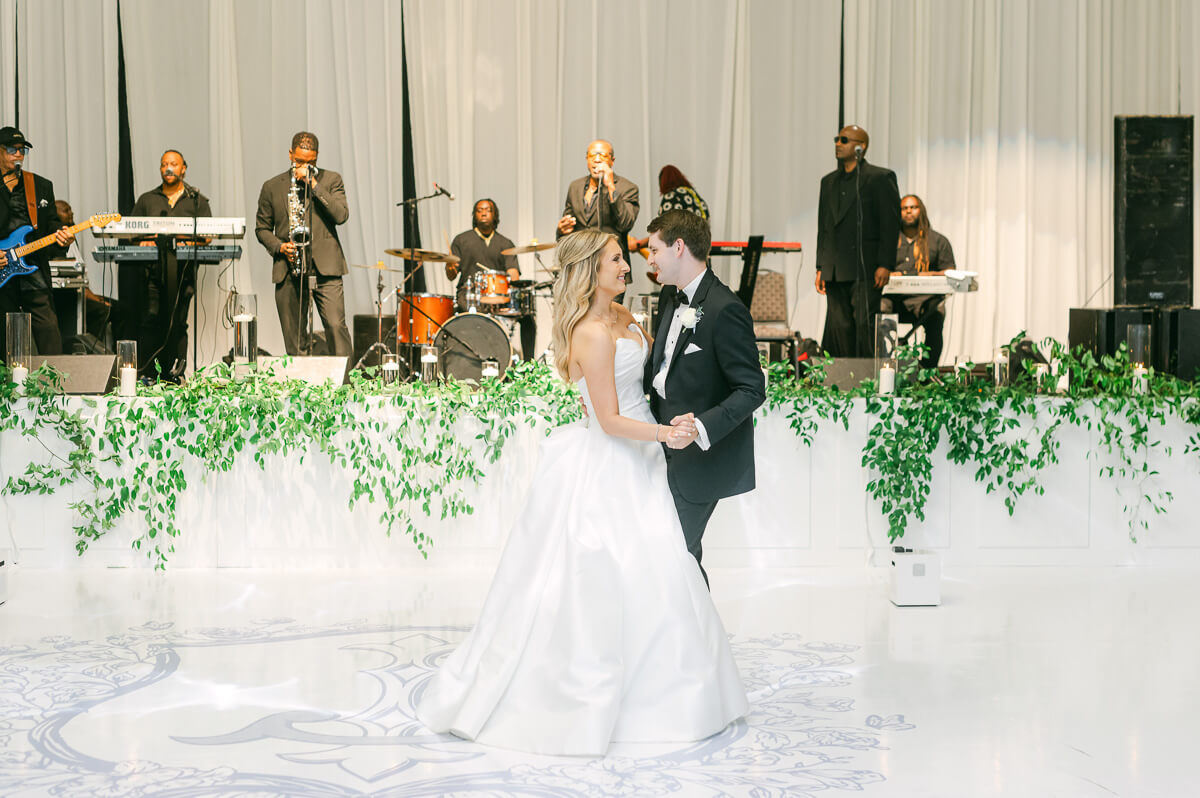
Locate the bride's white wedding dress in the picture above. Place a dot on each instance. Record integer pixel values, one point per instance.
(598, 627)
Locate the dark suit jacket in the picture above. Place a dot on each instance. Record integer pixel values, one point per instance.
(614, 216)
(48, 222)
(722, 384)
(837, 225)
(329, 209)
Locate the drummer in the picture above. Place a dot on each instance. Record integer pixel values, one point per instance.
(479, 248)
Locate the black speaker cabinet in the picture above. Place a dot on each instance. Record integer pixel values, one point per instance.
(1152, 210)
(1174, 334)
(1102, 330)
(1176, 342)
(366, 332)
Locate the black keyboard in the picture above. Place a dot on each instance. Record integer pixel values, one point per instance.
(184, 254)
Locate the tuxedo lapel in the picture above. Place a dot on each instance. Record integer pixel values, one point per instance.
(686, 334)
(665, 315)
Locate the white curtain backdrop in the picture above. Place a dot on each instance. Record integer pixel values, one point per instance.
(741, 96)
(999, 114)
(68, 101)
(254, 74)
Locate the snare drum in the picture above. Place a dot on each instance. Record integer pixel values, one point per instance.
(520, 299)
(431, 311)
(488, 287)
(467, 340)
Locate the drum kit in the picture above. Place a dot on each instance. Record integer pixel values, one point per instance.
(433, 342)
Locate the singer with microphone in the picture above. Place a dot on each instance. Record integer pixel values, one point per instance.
(156, 295)
(858, 223)
(299, 211)
(28, 199)
(602, 200)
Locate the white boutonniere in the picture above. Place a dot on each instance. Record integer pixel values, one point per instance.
(689, 317)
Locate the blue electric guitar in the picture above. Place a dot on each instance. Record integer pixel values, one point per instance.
(15, 248)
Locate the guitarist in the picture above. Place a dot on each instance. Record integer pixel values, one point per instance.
(26, 198)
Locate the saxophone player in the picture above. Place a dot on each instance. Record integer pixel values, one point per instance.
(298, 214)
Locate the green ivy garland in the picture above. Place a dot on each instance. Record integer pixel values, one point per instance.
(1008, 433)
(131, 454)
(405, 446)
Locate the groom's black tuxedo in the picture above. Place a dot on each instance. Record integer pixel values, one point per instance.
(722, 384)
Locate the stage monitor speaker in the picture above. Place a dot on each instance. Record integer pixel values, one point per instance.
(315, 370)
(366, 332)
(83, 374)
(848, 372)
(1152, 210)
(1102, 330)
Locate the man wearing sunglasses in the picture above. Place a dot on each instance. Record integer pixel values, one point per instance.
(28, 199)
(858, 223)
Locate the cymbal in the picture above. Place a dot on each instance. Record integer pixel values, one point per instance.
(521, 249)
(412, 253)
(376, 266)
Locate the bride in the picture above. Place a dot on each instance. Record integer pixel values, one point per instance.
(598, 626)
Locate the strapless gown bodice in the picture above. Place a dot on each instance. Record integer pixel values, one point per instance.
(629, 361)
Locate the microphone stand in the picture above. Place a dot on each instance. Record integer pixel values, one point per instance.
(307, 278)
(195, 302)
(379, 344)
(410, 225)
(411, 267)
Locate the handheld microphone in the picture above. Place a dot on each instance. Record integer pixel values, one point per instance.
(858, 152)
(443, 191)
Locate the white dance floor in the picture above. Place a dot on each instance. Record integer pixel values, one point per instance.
(1064, 681)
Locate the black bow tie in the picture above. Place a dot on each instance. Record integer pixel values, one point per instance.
(681, 298)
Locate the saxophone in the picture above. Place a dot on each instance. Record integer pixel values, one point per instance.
(298, 230)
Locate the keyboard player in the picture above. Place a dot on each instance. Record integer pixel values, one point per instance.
(155, 296)
(920, 250)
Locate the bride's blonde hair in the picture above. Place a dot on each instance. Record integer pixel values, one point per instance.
(578, 257)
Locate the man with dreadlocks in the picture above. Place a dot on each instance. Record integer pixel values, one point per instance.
(921, 250)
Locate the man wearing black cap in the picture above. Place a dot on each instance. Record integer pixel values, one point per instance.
(28, 199)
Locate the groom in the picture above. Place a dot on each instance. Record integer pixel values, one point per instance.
(704, 369)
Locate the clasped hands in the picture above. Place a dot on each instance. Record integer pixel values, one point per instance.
(683, 431)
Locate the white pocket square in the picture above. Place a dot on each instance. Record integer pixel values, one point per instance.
(691, 348)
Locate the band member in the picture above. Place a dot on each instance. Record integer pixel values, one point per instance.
(858, 220)
(603, 199)
(28, 199)
(677, 194)
(66, 215)
(97, 309)
(298, 215)
(156, 296)
(479, 248)
(921, 250)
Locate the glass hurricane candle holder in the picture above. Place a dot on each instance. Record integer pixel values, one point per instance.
(127, 368)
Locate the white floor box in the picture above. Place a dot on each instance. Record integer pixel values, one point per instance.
(916, 578)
